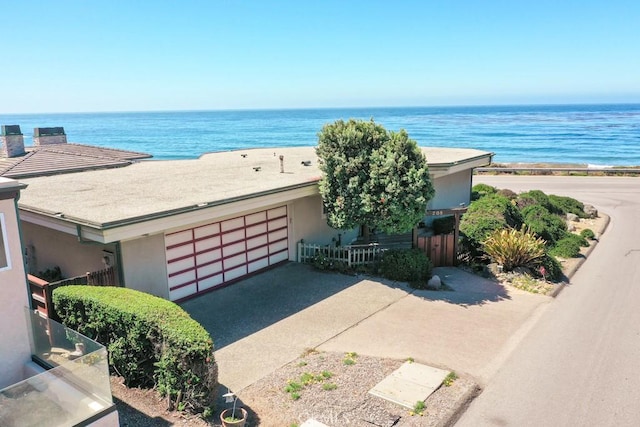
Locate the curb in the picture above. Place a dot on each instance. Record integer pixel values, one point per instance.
(569, 274)
(461, 405)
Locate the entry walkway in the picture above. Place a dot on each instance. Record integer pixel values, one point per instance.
(268, 320)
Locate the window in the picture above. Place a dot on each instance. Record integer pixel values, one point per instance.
(5, 261)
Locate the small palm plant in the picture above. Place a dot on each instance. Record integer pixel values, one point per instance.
(513, 248)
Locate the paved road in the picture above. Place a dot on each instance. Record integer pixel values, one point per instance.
(579, 365)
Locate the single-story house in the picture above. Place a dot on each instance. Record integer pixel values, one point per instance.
(182, 227)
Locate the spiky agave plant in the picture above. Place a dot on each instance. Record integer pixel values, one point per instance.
(514, 248)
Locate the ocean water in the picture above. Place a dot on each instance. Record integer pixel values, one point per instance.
(601, 135)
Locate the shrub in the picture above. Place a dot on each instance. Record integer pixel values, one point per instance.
(444, 225)
(534, 197)
(483, 217)
(579, 239)
(480, 190)
(552, 268)
(566, 247)
(566, 205)
(151, 341)
(514, 248)
(509, 194)
(587, 233)
(544, 224)
(407, 265)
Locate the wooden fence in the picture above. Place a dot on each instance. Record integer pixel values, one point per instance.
(351, 255)
(440, 249)
(42, 291)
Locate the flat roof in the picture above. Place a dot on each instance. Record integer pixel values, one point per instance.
(150, 187)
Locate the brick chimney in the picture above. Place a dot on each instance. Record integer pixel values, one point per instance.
(11, 141)
(49, 136)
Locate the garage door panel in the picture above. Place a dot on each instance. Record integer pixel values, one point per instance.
(233, 236)
(257, 253)
(257, 241)
(211, 282)
(278, 246)
(207, 230)
(257, 229)
(183, 292)
(277, 223)
(232, 224)
(182, 278)
(235, 261)
(258, 265)
(210, 269)
(279, 257)
(235, 273)
(255, 218)
(181, 265)
(177, 238)
(278, 235)
(211, 255)
(208, 256)
(212, 242)
(277, 212)
(179, 252)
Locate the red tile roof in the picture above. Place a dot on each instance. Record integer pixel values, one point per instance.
(65, 158)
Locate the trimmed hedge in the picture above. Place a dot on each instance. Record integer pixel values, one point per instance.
(407, 265)
(152, 342)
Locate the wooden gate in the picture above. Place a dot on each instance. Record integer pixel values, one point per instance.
(440, 249)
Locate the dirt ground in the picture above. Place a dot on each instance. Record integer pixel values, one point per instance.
(336, 395)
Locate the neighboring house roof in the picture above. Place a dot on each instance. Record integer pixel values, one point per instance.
(149, 190)
(65, 158)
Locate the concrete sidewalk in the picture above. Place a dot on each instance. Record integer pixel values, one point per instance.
(268, 320)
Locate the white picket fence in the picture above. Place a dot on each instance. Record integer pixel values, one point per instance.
(351, 255)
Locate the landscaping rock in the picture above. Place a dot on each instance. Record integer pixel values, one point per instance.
(492, 269)
(572, 217)
(571, 227)
(434, 283)
(590, 211)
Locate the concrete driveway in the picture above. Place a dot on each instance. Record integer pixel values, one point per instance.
(270, 319)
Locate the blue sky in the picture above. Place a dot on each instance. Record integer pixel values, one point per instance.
(74, 56)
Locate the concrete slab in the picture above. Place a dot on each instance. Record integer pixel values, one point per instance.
(410, 383)
(267, 321)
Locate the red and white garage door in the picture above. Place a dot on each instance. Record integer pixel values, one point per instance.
(211, 255)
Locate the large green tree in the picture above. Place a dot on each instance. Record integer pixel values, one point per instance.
(372, 177)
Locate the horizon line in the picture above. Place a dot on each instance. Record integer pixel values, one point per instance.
(378, 107)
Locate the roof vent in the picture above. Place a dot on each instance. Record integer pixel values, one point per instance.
(257, 168)
(306, 162)
(243, 155)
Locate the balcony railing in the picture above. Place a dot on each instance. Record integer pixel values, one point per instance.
(75, 390)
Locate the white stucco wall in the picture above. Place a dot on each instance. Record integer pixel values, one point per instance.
(452, 190)
(309, 224)
(48, 248)
(14, 341)
(144, 265)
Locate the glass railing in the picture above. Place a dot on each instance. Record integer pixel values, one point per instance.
(74, 390)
